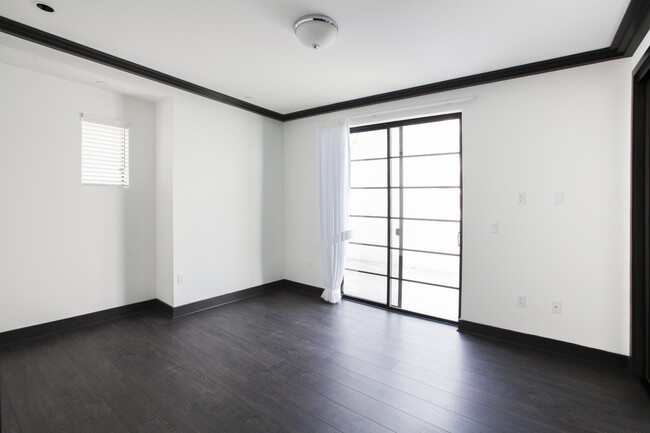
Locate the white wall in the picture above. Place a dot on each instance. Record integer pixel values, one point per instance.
(205, 201)
(227, 199)
(164, 200)
(564, 131)
(67, 249)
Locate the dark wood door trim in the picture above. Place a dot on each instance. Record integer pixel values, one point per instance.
(640, 220)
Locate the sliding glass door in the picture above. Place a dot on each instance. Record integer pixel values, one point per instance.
(405, 214)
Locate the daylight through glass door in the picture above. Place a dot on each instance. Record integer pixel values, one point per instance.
(405, 215)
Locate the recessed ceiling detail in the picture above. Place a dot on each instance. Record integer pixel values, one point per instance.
(44, 7)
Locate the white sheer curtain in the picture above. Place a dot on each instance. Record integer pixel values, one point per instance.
(334, 162)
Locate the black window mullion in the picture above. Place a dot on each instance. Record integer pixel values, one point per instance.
(425, 154)
(437, 220)
(400, 270)
(406, 156)
(424, 283)
(388, 222)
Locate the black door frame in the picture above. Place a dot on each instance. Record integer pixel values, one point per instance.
(400, 123)
(640, 221)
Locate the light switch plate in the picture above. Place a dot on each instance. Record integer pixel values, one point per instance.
(521, 301)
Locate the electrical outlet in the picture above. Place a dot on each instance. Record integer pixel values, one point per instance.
(556, 307)
(179, 279)
(521, 301)
(494, 227)
(309, 265)
(521, 198)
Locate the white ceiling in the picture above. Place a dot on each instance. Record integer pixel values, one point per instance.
(247, 49)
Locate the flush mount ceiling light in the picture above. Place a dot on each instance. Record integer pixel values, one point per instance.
(316, 31)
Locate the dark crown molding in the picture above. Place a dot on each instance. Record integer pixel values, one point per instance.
(631, 31)
(49, 40)
(633, 28)
(459, 83)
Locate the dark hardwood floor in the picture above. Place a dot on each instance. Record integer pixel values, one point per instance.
(288, 362)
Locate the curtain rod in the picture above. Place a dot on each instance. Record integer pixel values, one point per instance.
(435, 104)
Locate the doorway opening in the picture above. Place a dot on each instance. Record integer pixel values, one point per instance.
(405, 215)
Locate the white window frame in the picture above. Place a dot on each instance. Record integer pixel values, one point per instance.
(104, 151)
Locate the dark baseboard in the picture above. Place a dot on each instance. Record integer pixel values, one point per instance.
(557, 347)
(302, 288)
(163, 307)
(206, 304)
(645, 385)
(44, 329)
(467, 327)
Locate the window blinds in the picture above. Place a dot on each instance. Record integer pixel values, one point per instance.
(104, 151)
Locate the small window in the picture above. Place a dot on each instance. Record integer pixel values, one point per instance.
(104, 151)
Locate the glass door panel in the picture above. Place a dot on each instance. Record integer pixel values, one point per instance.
(369, 145)
(368, 173)
(370, 231)
(367, 259)
(395, 293)
(406, 174)
(394, 262)
(431, 268)
(431, 138)
(431, 236)
(430, 300)
(365, 286)
(427, 203)
(368, 202)
(428, 171)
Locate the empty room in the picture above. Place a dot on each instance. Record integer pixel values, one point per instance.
(341, 216)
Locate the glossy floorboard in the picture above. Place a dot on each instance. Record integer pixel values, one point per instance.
(288, 362)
